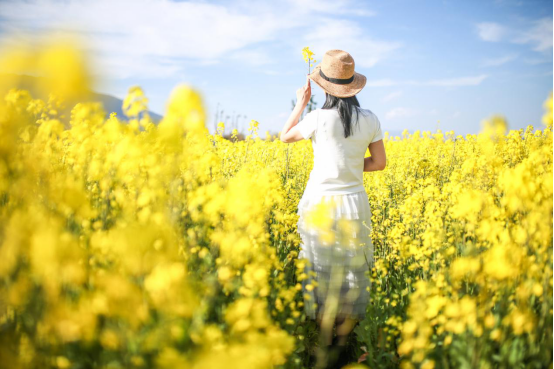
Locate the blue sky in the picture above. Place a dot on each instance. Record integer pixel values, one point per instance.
(453, 62)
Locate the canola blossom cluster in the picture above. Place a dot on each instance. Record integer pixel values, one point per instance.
(308, 56)
(130, 244)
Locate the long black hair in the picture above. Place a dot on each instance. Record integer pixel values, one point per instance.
(344, 106)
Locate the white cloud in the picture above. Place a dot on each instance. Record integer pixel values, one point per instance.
(252, 57)
(156, 67)
(458, 81)
(346, 35)
(341, 7)
(400, 112)
(489, 31)
(157, 38)
(539, 35)
(498, 61)
(391, 96)
(163, 28)
(449, 82)
(535, 61)
(132, 38)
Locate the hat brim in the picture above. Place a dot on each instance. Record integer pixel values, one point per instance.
(337, 90)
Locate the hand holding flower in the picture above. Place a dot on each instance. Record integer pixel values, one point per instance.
(303, 94)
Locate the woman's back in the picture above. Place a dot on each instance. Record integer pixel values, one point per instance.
(339, 161)
(340, 254)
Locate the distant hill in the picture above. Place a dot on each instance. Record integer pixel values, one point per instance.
(113, 104)
(110, 103)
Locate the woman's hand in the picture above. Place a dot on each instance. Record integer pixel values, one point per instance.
(303, 94)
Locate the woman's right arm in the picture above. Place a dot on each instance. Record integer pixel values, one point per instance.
(378, 158)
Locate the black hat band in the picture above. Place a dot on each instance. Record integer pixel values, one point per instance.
(338, 81)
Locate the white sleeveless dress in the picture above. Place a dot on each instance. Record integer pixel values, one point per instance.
(339, 265)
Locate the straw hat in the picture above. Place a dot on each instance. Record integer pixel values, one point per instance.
(336, 76)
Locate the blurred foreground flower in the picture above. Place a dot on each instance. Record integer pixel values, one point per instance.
(59, 66)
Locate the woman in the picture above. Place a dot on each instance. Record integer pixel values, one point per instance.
(340, 133)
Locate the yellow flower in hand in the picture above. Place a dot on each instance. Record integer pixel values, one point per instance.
(308, 57)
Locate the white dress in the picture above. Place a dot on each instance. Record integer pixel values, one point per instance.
(338, 260)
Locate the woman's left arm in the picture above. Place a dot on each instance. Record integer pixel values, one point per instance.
(303, 95)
